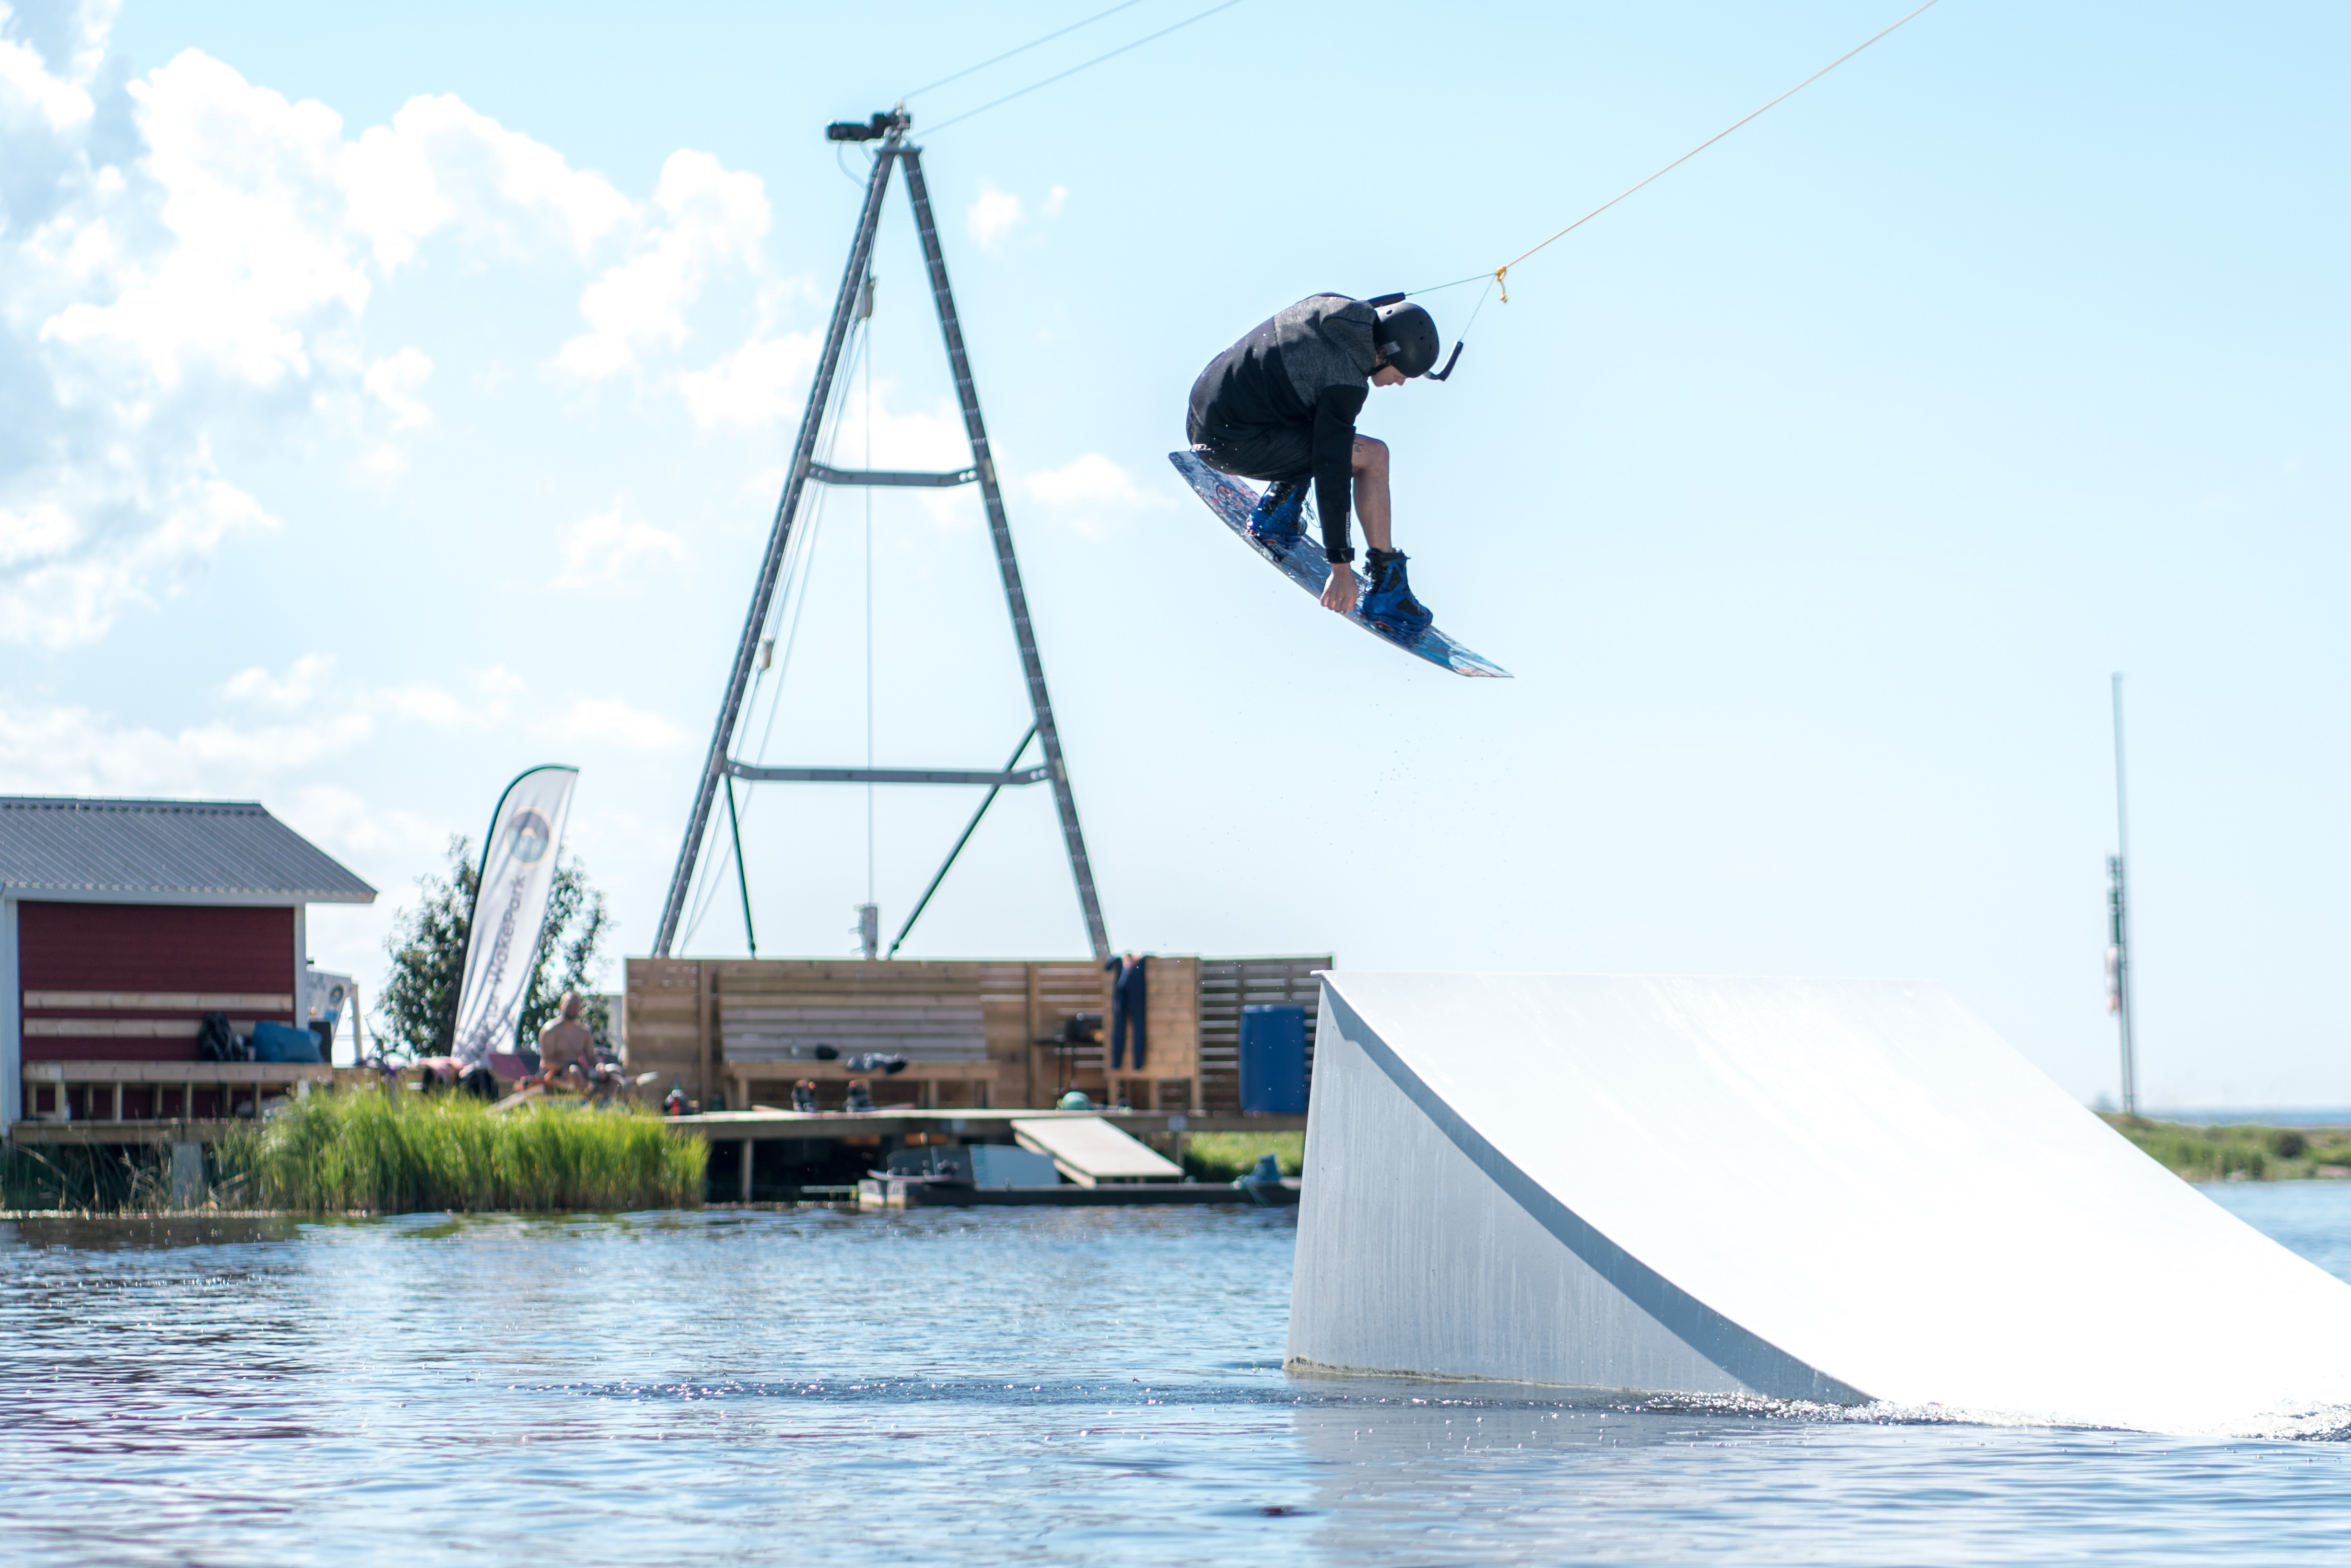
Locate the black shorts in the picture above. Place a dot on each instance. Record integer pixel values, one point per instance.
(1250, 452)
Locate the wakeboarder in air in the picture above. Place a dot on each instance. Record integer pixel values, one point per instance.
(1281, 405)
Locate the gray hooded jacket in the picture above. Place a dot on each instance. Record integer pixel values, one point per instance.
(1281, 404)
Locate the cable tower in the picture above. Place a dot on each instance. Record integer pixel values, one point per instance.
(721, 768)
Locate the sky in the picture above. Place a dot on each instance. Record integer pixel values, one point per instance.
(397, 398)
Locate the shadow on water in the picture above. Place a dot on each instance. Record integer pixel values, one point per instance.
(147, 1232)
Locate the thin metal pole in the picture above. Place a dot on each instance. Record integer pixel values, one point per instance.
(844, 308)
(742, 876)
(969, 828)
(1039, 701)
(2122, 913)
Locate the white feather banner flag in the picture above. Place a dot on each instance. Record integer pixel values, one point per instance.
(510, 909)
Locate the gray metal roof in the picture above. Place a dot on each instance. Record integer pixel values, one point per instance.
(164, 851)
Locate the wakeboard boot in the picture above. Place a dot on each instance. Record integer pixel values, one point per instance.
(1280, 518)
(1390, 605)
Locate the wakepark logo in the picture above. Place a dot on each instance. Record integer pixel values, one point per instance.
(529, 837)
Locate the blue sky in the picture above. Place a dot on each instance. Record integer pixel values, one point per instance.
(398, 396)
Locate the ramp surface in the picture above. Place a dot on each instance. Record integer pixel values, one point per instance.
(1088, 1149)
(1835, 1190)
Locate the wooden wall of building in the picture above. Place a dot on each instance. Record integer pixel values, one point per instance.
(974, 1033)
(132, 982)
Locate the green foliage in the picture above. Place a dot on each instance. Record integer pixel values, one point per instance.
(417, 1010)
(398, 1152)
(2245, 1153)
(1227, 1156)
(79, 1177)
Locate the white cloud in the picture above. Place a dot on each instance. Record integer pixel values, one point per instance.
(613, 722)
(1092, 480)
(73, 750)
(599, 550)
(294, 690)
(1054, 199)
(930, 439)
(495, 691)
(709, 216)
(25, 77)
(762, 383)
(356, 828)
(97, 539)
(52, 749)
(395, 380)
(187, 261)
(992, 217)
(440, 162)
(1090, 493)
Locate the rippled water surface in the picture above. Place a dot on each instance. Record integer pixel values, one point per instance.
(1019, 1385)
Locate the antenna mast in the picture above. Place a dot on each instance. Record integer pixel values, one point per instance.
(2118, 965)
(890, 129)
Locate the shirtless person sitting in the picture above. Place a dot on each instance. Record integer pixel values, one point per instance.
(567, 1052)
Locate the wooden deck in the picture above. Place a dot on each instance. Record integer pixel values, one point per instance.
(996, 1125)
(732, 1125)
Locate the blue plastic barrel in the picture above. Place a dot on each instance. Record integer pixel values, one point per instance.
(1274, 1061)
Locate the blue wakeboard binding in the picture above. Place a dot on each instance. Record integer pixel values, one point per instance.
(1280, 519)
(1390, 605)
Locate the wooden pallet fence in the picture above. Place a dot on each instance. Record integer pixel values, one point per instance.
(976, 1033)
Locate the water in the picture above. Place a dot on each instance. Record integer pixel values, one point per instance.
(1095, 1387)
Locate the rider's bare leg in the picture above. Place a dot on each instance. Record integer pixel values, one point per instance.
(1372, 490)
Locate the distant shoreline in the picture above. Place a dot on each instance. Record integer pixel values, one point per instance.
(2240, 1149)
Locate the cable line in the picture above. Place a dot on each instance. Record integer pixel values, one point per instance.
(1500, 275)
(1122, 6)
(1088, 64)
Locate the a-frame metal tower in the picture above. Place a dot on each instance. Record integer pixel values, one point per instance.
(889, 130)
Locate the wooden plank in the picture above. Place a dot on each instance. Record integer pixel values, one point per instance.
(160, 1001)
(123, 1028)
(705, 977)
(207, 1073)
(970, 1021)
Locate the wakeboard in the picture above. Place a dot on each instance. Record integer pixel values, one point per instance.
(1232, 501)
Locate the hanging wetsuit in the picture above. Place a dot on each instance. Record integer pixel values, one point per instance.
(1129, 1002)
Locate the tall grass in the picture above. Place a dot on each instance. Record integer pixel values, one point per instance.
(402, 1153)
(78, 1178)
(2244, 1152)
(1223, 1157)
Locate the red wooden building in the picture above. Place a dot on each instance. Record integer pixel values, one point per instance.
(123, 922)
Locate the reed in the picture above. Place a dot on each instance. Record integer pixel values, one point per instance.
(1223, 1157)
(381, 1153)
(2242, 1152)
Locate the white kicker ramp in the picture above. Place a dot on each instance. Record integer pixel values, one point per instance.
(1847, 1192)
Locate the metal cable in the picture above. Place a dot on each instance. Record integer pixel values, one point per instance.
(1088, 64)
(1694, 151)
(1496, 275)
(1123, 5)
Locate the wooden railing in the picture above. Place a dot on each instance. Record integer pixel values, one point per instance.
(164, 1091)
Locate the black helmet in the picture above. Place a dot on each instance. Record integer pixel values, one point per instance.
(1407, 339)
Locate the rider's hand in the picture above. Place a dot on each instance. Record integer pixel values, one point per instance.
(1339, 592)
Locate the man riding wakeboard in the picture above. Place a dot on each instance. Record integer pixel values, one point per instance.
(1281, 405)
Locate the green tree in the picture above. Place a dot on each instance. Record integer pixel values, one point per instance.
(416, 1012)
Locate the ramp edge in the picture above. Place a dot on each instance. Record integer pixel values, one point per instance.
(1740, 1352)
